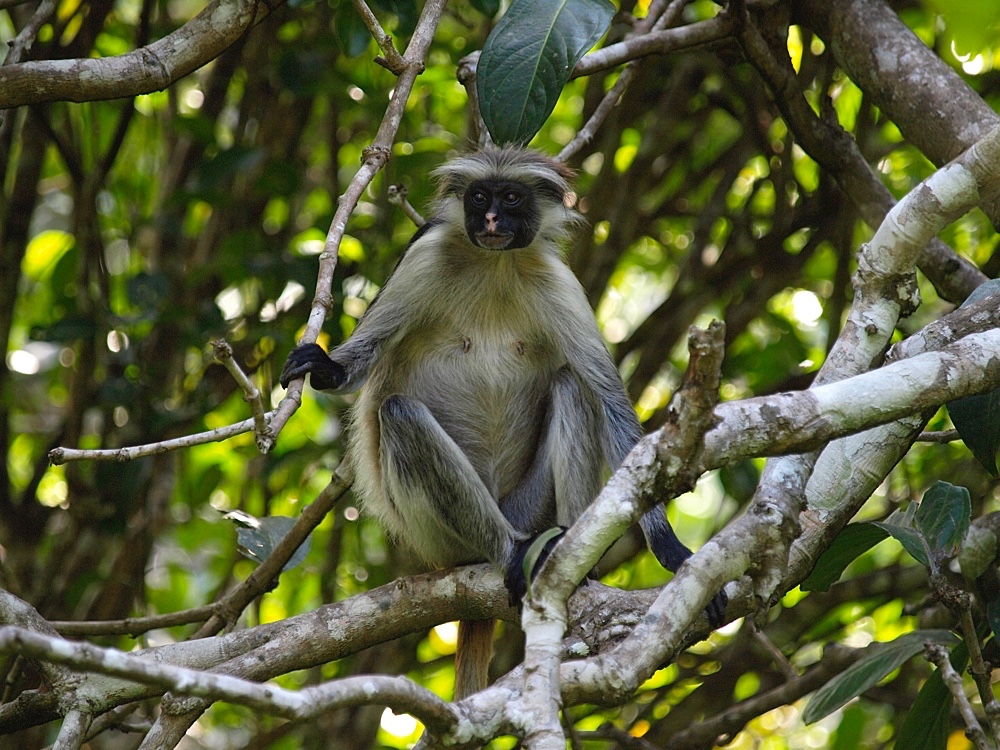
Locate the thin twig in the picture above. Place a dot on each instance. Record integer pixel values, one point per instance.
(116, 717)
(62, 455)
(939, 436)
(466, 75)
(658, 19)
(586, 134)
(656, 42)
(373, 159)
(21, 44)
(723, 727)
(223, 353)
(392, 61)
(397, 197)
(777, 657)
(134, 626)
(973, 729)
(978, 669)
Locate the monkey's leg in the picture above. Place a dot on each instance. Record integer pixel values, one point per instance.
(448, 515)
(574, 448)
(566, 474)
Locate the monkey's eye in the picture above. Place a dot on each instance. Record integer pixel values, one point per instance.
(478, 198)
(511, 199)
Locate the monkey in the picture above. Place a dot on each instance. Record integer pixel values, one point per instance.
(489, 406)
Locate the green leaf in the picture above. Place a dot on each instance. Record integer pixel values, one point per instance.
(350, 31)
(535, 551)
(880, 660)
(488, 8)
(928, 722)
(257, 537)
(993, 614)
(854, 540)
(529, 57)
(977, 418)
(911, 539)
(944, 516)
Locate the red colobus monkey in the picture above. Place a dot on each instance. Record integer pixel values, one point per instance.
(489, 405)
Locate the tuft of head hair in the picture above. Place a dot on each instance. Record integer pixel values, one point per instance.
(546, 176)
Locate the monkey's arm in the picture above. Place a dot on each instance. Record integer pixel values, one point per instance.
(346, 367)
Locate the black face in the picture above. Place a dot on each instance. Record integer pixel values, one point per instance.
(500, 215)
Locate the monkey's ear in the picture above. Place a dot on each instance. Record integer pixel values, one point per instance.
(450, 184)
(552, 190)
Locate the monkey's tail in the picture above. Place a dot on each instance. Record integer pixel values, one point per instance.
(472, 656)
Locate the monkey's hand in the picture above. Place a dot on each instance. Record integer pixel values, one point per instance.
(716, 609)
(514, 579)
(312, 359)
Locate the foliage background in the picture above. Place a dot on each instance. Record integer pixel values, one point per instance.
(136, 231)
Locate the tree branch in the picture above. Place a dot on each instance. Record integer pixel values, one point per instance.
(142, 71)
(397, 692)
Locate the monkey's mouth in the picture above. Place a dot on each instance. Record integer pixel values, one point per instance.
(494, 240)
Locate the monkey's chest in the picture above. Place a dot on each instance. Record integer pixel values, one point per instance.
(483, 379)
(489, 391)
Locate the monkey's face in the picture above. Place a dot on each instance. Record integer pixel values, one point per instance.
(500, 215)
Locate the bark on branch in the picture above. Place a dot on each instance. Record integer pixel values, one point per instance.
(142, 71)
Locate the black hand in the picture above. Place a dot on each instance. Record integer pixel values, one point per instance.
(716, 609)
(514, 580)
(311, 359)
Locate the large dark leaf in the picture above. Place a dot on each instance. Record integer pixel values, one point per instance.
(911, 539)
(880, 659)
(977, 418)
(943, 517)
(350, 31)
(528, 58)
(854, 540)
(257, 537)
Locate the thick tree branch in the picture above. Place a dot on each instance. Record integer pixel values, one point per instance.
(933, 107)
(142, 71)
(396, 692)
(742, 429)
(838, 153)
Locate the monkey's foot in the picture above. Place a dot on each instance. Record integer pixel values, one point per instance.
(514, 579)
